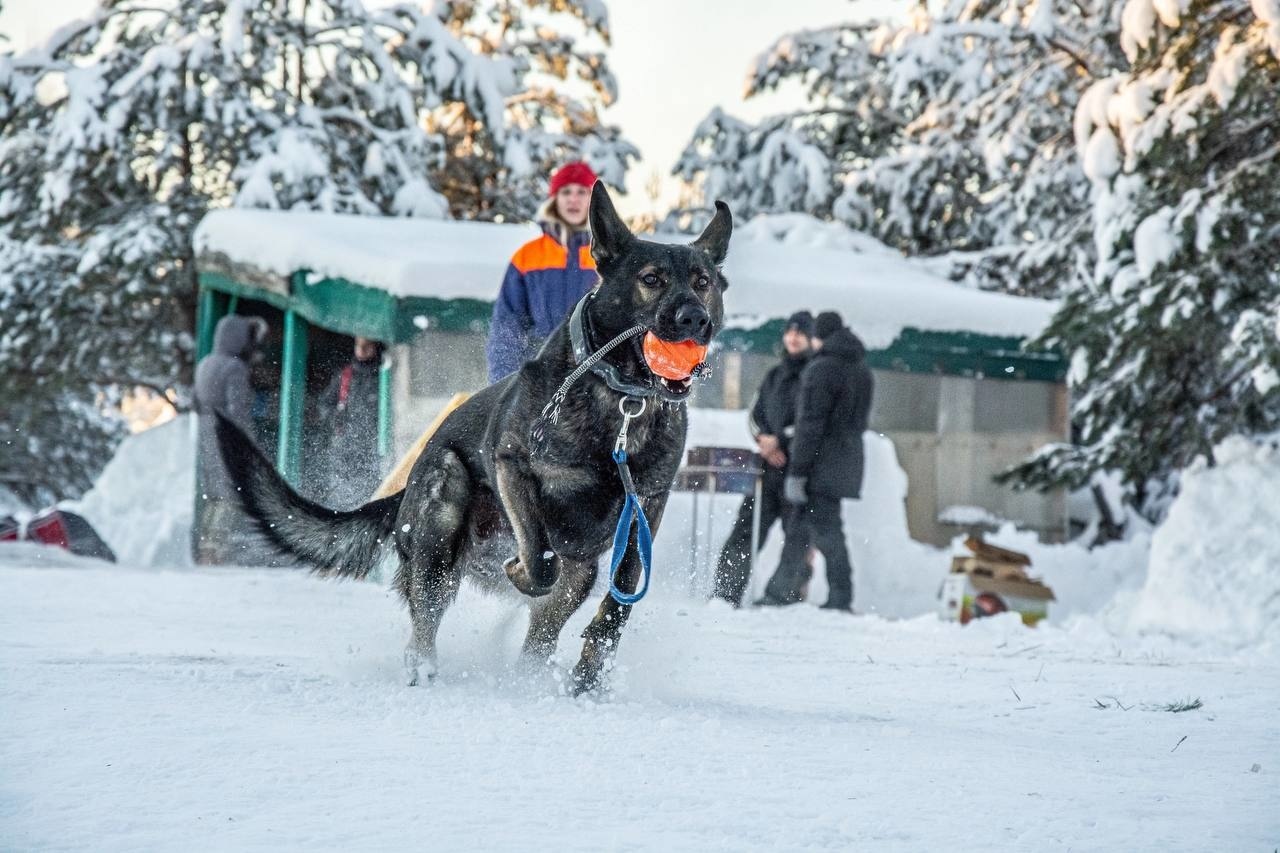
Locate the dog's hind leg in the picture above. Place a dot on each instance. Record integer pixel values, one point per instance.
(430, 571)
(605, 629)
(551, 612)
(534, 568)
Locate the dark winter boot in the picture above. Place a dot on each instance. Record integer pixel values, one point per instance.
(787, 585)
(839, 586)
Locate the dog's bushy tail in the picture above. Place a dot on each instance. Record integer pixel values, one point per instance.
(334, 542)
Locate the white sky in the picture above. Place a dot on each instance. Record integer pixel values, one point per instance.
(674, 60)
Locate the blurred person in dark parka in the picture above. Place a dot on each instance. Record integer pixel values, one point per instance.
(825, 464)
(222, 386)
(772, 423)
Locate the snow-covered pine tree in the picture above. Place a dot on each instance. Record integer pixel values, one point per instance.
(554, 49)
(949, 135)
(120, 133)
(769, 168)
(55, 431)
(1174, 335)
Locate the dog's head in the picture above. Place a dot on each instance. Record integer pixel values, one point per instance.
(675, 292)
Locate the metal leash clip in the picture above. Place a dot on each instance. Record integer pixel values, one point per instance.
(632, 510)
(620, 446)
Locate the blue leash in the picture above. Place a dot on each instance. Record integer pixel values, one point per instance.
(631, 509)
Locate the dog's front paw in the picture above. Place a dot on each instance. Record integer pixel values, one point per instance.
(534, 584)
(418, 667)
(583, 682)
(588, 674)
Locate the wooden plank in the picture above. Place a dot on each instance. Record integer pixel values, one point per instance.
(1005, 588)
(995, 553)
(399, 476)
(989, 568)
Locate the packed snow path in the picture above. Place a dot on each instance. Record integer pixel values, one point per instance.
(251, 709)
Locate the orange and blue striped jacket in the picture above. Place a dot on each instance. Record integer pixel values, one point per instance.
(544, 280)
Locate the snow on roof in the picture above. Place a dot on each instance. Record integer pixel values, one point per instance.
(878, 293)
(776, 266)
(404, 257)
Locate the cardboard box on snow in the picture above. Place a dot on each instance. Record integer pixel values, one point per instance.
(991, 581)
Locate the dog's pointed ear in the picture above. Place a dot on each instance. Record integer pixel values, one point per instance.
(714, 239)
(610, 236)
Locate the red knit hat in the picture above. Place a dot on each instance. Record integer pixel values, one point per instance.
(576, 172)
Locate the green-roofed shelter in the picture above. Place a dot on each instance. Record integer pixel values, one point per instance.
(957, 390)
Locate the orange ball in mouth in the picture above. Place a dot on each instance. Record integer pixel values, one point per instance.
(672, 360)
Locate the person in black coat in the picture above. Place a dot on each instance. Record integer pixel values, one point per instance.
(826, 462)
(350, 410)
(772, 422)
(220, 530)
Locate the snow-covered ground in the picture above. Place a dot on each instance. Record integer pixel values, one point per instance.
(151, 704)
(264, 709)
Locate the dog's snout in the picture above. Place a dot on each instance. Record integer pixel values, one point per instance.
(692, 319)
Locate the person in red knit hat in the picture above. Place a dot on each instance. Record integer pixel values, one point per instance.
(547, 276)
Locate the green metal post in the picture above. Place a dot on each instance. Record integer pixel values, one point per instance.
(384, 408)
(293, 386)
(211, 306)
(209, 310)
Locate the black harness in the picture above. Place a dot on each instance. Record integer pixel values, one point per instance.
(582, 353)
(593, 362)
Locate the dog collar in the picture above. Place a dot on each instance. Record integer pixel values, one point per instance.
(610, 373)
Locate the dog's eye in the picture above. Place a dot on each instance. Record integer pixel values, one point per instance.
(702, 283)
(651, 279)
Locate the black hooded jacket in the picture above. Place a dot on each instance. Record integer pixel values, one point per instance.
(222, 385)
(774, 409)
(834, 404)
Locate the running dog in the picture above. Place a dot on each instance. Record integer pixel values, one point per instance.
(490, 492)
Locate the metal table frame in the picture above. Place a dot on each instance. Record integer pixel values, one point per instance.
(712, 472)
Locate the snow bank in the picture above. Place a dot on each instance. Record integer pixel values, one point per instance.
(143, 501)
(775, 267)
(894, 575)
(1215, 561)
(11, 504)
(1085, 582)
(36, 555)
(142, 506)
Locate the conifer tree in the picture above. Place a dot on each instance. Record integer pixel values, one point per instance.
(947, 136)
(120, 133)
(1173, 334)
(555, 50)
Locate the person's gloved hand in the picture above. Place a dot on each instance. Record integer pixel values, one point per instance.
(794, 489)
